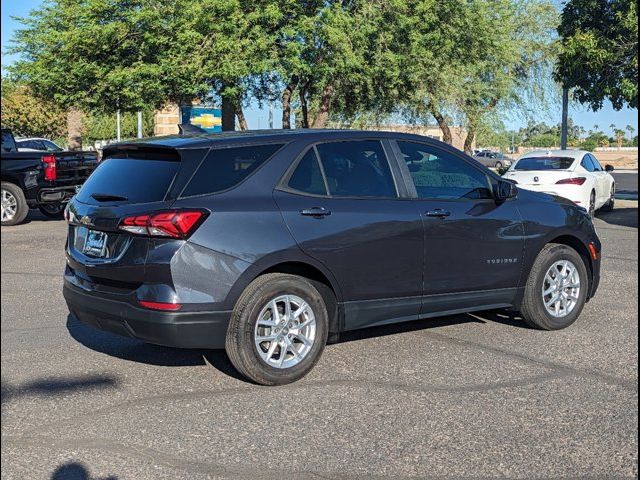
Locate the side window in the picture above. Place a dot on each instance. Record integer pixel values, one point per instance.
(587, 164)
(307, 177)
(224, 168)
(438, 174)
(357, 169)
(596, 164)
(50, 146)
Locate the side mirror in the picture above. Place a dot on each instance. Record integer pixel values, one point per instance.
(609, 168)
(506, 190)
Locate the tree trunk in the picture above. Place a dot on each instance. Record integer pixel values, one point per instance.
(286, 102)
(74, 129)
(242, 121)
(228, 114)
(447, 136)
(325, 106)
(304, 106)
(471, 138)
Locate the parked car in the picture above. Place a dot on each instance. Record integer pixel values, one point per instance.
(493, 159)
(269, 243)
(573, 174)
(46, 180)
(37, 144)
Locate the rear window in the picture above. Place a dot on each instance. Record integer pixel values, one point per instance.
(545, 163)
(224, 168)
(136, 180)
(8, 144)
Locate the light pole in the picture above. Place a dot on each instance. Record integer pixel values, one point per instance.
(565, 118)
(118, 132)
(139, 124)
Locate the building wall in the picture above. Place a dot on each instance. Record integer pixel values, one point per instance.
(166, 120)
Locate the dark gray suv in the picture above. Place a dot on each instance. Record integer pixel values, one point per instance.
(269, 243)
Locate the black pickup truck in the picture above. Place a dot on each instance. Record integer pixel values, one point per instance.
(43, 180)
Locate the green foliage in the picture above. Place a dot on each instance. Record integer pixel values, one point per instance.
(600, 51)
(102, 126)
(29, 116)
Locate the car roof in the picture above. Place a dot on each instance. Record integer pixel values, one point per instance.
(24, 139)
(575, 154)
(251, 136)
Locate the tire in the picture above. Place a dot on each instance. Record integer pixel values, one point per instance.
(533, 308)
(52, 210)
(242, 343)
(611, 204)
(592, 205)
(14, 205)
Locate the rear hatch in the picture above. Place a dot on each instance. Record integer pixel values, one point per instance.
(538, 171)
(124, 185)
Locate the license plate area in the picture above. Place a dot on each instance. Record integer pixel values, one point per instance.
(95, 243)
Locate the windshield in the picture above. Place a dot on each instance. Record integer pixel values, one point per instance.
(544, 163)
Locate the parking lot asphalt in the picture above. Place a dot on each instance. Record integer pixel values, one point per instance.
(473, 396)
(626, 184)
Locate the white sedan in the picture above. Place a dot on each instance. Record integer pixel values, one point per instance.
(573, 174)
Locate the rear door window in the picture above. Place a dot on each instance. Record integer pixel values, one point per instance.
(357, 169)
(224, 168)
(587, 164)
(130, 180)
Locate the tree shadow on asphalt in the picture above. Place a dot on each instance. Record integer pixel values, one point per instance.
(134, 350)
(51, 387)
(624, 217)
(76, 471)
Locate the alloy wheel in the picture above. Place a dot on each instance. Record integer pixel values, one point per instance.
(9, 206)
(285, 331)
(561, 288)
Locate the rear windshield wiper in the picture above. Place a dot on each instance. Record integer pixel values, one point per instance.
(108, 197)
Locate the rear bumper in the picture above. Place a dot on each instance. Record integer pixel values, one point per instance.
(575, 193)
(203, 329)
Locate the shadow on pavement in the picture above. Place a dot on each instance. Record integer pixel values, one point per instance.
(134, 350)
(498, 316)
(624, 217)
(57, 386)
(76, 471)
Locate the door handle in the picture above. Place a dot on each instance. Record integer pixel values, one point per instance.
(438, 213)
(317, 212)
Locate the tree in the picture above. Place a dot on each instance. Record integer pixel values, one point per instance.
(599, 57)
(29, 116)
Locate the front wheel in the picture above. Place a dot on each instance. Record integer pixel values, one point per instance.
(52, 210)
(557, 288)
(278, 329)
(611, 204)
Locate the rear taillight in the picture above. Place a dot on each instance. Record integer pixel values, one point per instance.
(173, 224)
(50, 168)
(571, 181)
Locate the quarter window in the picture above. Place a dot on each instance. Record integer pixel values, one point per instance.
(357, 169)
(224, 168)
(441, 175)
(307, 177)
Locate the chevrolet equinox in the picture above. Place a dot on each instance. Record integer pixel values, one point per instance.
(270, 243)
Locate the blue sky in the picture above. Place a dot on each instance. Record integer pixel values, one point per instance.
(258, 118)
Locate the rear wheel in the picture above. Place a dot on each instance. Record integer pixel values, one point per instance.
(14, 205)
(52, 210)
(278, 329)
(556, 290)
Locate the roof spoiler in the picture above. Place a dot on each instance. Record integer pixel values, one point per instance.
(189, 129)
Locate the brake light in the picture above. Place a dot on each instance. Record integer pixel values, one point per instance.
(572, 181)
(173, 224)
(50, 168)
(168, 307)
